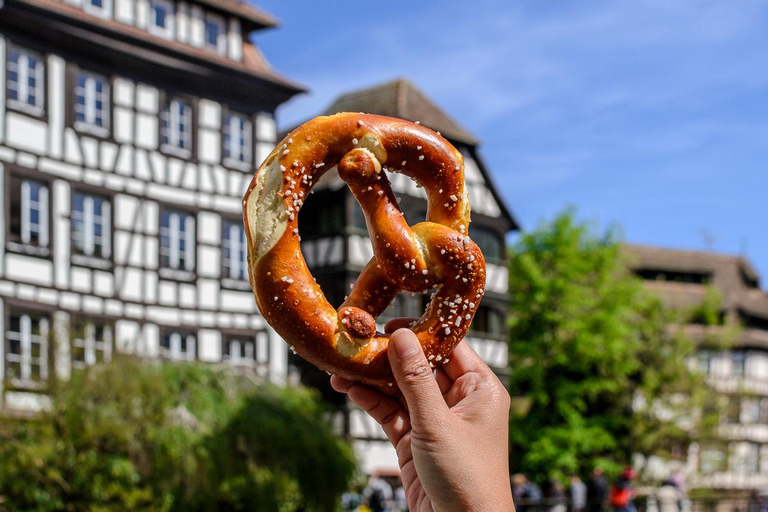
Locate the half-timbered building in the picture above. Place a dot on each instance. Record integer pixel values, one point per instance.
(129, 130)
(735, 465)
(336, 246)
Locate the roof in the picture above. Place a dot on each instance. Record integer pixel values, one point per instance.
(400, 98)
(253, 62)
(256, 18)
(734, 276)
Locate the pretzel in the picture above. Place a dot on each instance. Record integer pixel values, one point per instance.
(433, 255)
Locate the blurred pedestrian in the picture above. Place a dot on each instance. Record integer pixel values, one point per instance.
(597, 491)
(668, 496)
(525, 493)
(622, 496)
(578, 494)
(377, 494)
(555, 495)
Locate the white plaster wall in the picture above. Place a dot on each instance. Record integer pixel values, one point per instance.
(61, 360)
(142, 13)
(235, 40)
(56, 92)
(27, 269)
(61, 230)
(146, 131)
(235, 301)
(208, 293)
(208, 261)
(26, 133)
(2, 352)
(209, 147)
(123, 125)
(124, 10)
(2, 89)
(278, 363)
(376, 455)
(2, 230)
(209, 345)
(126, 335)
(149, 343)
(196, 27)
(182, 22)
(209, 228)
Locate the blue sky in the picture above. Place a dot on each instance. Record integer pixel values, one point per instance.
(649, 114)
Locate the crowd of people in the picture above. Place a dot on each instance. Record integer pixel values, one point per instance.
(597, 494)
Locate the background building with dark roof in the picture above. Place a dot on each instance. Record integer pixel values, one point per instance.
(737, 464)
(336, 246)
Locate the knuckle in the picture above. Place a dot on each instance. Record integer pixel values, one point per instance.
(416, 373)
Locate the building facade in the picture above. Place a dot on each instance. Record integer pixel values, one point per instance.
(737, 464)
(336, 246)
(129, 130)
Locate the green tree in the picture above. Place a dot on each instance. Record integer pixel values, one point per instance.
(599, 368)
(133, 435)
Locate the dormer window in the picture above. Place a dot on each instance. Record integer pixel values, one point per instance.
(100, 8)
(25, 81)
(237, 140)
(215, 34)
(176, 127)
(161, 18)
(92, 103)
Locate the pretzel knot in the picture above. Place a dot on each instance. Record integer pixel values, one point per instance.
(435, 255)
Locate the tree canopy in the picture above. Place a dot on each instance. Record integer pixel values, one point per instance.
(600, 370)
(134, 435)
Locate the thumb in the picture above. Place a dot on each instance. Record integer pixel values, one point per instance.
(414, 378)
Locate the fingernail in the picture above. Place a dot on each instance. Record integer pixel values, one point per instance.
(405, 343)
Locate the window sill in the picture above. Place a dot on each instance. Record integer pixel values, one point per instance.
(173, 274)
(89, 129)
(169, 150)
(235, 284)
(91, 261)
(26, 109)
(237, 165)
(29, 250)
(27, 385)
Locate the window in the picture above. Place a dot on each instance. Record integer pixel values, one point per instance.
(237, 139)
(101, 8)
(738, 363)
(705, 358)
(488, 321)
(176, 126)
(177, 240)
(91, 343)
(29, 212)
(178, 346)
(27, 349)
(244, 350)
(215, 34)
(161, 18)
(26, 81)
(764, 411)
(235, 257)
(489, 241)
(745, 458)
(323, 214)
(92, 103)
(712, 459)
(91, 225)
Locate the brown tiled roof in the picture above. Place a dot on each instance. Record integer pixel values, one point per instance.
(243, 10)
(733, 276)
(400, 98)
(253, 62)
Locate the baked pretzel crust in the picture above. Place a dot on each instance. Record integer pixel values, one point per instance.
(435, 255)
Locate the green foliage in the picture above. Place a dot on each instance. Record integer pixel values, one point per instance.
(603, 370)
(139, 436)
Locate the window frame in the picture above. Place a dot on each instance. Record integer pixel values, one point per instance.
(228, 161)
(221, 43)
(228, 336)
(166, 104)
(90, 342)
(17, 245)
(169, 31)
(170, 354)
(86, 126)
(105, 12)
(227, 280)
(192, 251)
(23, 107)
(107, 232)
(46, 369)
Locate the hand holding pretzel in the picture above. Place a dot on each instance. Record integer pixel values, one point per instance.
(433, 255)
